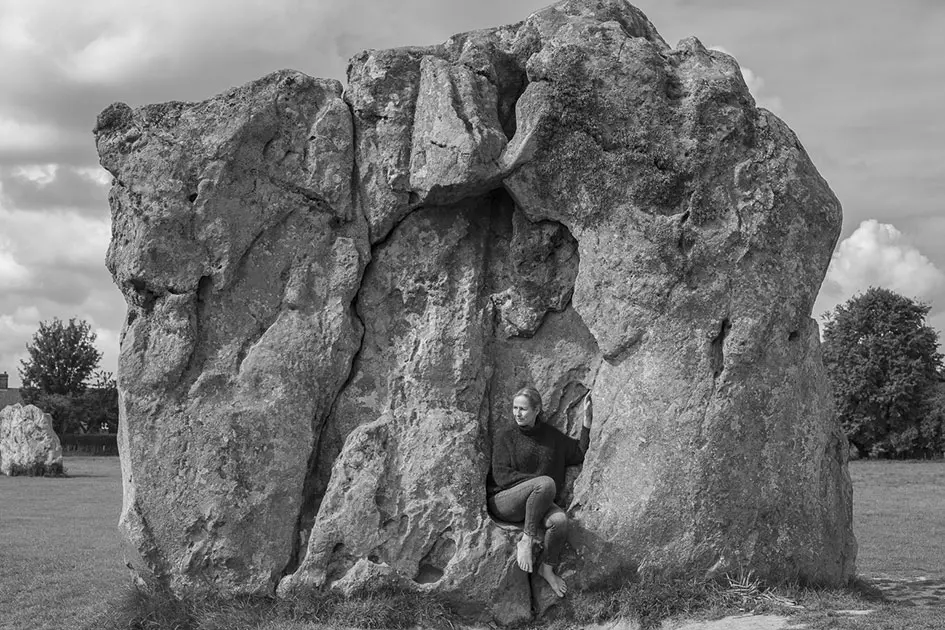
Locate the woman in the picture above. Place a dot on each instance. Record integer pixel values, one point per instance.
(528, 465)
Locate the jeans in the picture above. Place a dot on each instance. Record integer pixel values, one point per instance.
(532, 501)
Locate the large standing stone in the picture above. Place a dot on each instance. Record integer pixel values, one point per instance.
(567, 202)
(28, 443)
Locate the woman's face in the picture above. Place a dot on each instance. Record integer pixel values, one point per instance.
(523, 412)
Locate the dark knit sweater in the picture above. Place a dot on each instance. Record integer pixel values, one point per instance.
(521, 454)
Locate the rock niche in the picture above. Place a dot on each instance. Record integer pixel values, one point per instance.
(333, 292)
(28, 444)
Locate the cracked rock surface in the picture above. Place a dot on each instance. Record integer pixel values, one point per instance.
(333, 295)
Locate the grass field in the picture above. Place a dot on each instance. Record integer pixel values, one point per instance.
(59, 554)
(899, 517)
(60, 563)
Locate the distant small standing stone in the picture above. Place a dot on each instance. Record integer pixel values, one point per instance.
(28, 444)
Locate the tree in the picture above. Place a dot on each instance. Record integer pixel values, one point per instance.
(60, 377)
(883, 362)
(62, 358)
(97, 410)
(937, 411)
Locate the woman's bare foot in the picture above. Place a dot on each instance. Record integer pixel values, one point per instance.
(523, 553)
(558, 585)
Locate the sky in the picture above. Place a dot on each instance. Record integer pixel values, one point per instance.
(861, 82)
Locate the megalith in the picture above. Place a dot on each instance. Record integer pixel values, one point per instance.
(332, 295)
(28, 444)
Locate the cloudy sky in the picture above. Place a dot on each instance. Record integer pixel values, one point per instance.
(862, 82)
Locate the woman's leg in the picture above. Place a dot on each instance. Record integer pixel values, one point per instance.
(528, 502)
(556, 533)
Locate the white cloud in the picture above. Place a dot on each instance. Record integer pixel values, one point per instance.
(16, 135)
(96, 175)
(15, 35)
(16, 329)
(55, 189)
(877, 254)
(756, 85)
(12, 273)
(66, 239)
(107, 342)
(110, 41)
(110, 57)
(21, 322)
(42, 174)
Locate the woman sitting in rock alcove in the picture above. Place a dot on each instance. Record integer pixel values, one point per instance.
(529, 459)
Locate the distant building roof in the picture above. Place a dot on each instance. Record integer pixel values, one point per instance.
(9, 397)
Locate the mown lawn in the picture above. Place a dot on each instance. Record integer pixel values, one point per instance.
(59, 554)
(899, 517)
(60, 564)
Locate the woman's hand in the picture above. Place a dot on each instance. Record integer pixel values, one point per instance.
(588, 409)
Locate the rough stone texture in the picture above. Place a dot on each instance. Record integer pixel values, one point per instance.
(28, 444)
(331, 303)
(239, 252)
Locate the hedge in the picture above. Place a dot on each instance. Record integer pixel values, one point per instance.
(90, 443)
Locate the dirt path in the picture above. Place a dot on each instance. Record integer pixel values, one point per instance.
(736, 622)
(740, 622)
